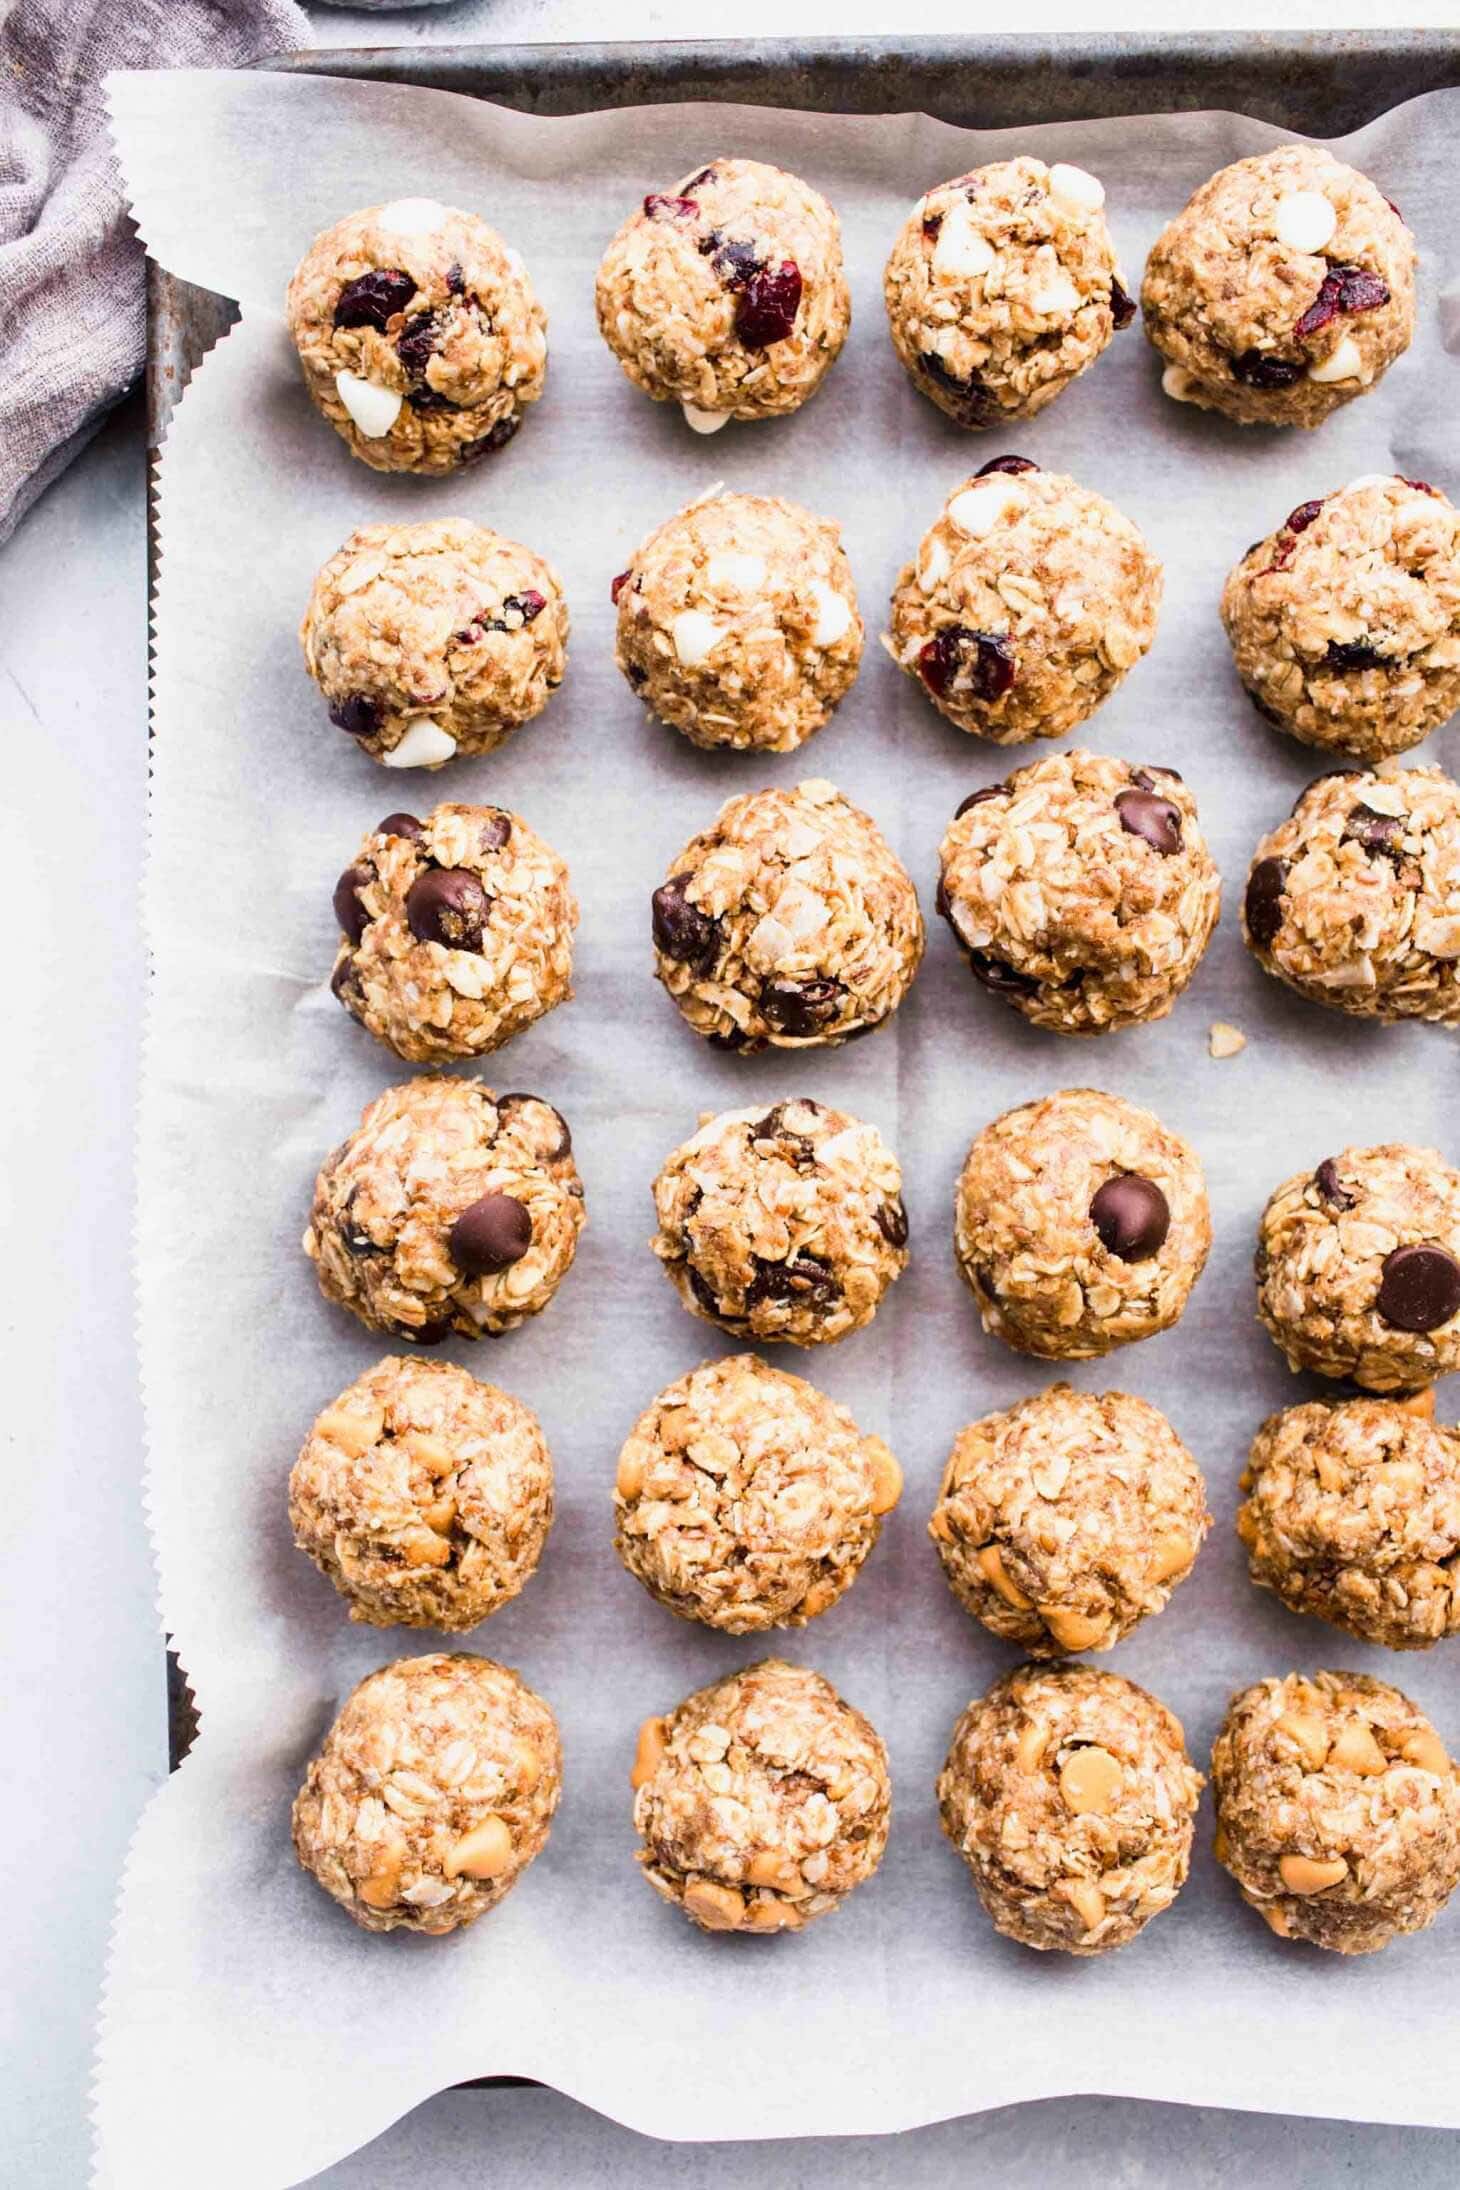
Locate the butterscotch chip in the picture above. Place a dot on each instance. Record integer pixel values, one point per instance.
(1063, 1521)
(765, 1802)
(1069, 1794)
(432, 1792)
(1349, 1836)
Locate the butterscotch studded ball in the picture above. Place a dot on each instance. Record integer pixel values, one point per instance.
(1338, 1810)
(433, 1791)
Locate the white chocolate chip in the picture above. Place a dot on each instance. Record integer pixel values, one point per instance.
(1225, 1040)
(425, 745)
(962, 249)
(695, 636)
(979, 507)
(704, 421)
(833, 614)
(934, 564)
(373, 408)
(736, 573)
(1075, 191)
(1345, 363)
(411, 216)
(1177, 382)
(1304, 220)
(1056, 297)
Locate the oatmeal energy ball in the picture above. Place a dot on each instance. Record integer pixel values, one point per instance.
(1002, 287)
(434, 1790)
(420, 335)
(1069, 1794)
(424, 1496)
(1338, 1810)
(789, 921)
(1081, 890)
(1029, 600)
(1285, 288)
(1358, 1267)
(1064, 1520)
(1354, 900)
(1080, 1224)
(738, 623)
(1345, 622)
(747, 1499)
(434, 639)
(786, 1223)
(726, 293)
(1353, 1513)
(449, 1210)
(457, 932)
(762, 1801)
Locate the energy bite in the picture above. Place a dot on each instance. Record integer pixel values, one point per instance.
(448, 1210)
(747, 1499)
(456, 932)
(423, 1495)
(1283, 289)
(1063, 1521)
(1028, 601)
(1358, 1267)
(1069, 1794)
(1081, 890)
(761, 1801)
(789, 921)
(726, 293)
(1080, 1224)
(434, 639)
(1002, 287)
(433, 1791)
(1345, 623)
(738, 623)
(786, 1223)
(1354, 900)
(1353, 1514)
(1338, 1810)
(420, 335)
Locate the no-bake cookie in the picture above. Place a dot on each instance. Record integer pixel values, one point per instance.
(1081, 890)
(433, 1791)
(747, 1499)
(761, 1801)
(1028, 601)
(1069, 1794)
(420, 335)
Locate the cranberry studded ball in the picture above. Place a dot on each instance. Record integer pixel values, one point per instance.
(725, 293)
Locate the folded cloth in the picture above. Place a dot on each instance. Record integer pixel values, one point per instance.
(72, 292)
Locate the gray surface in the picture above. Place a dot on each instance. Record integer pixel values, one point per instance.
(81, 1720)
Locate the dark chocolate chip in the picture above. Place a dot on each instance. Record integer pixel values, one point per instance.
(357, 713)
(681, 931)
(1353, 654)
(977, 798)
(733, 259)
(564, 1143)
(455, 279)
(491, 1235)
(495, 831)
(1155, 820)
(372, 300)
(448, 905)
(1005, 463)
(1122, 304)
(342, 981)
(1331, 1187)
(1420, 1288)
(708, 1299)
(1379, 833)
(1258, 369)
(401, 825)
(416, 345)
(997, 974)
(1143, 776)
(1328, 776)
(974, 404)
(801, 1008)
(1131, 1216)
(987, 656)
(1263, 903)
(425, 1334)
(805, 1280)
(496, 438)
(892, 1222)
(349, 906)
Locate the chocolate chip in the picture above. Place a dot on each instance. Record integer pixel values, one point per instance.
(1122, 304)
(491, 1235)
(488, 443)
(1329, 775)
(1331, 1187)
(997, 974)
(372, 300)
(637, 677)
(1143, 777)
(563, 1142)
(801, 1008)
(733, 259)
(1005, 463)
(987, 656)
(342, 981)
(357, 713)
(349, 907)
(734, 1041)
(495, 830)
(425, 1334)
(804, 1281)
(681, 931)
(448, 905)
(1155, 820)
(975, 405)
(1131, 1216)
(707, 1298)
(1353, 654)
(892, 1222)
(1420, 1288)
(1258, 369)
(401, 825)
(976, 798)
(1263, 904)
(1382, 834)
(455, 279)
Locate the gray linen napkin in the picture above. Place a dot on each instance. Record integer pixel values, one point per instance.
(71, 271)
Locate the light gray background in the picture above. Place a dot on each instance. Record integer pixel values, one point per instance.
(81, 1707)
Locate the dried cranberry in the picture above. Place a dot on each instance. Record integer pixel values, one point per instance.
(1301, 518)
(681, 931)
(529, 604)
(374, 299)
(801, 1008)
(733, 259)
(1353, 654)
(932, 222)
(1259, 369)
(357, 713)
(417, 344)
(1005, 463)
(1263, 904)
(768, 305)
(487, 444)
(1122, 304)
(658, 207)
(988, 657)
(618, 585)
(1394, 209)
(455, 279)
(704, 175)
(1343, 289)
(1420, 486)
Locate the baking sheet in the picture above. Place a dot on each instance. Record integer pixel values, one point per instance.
(242, 2009)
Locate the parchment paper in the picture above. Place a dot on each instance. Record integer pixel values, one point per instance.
(250, 2034)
